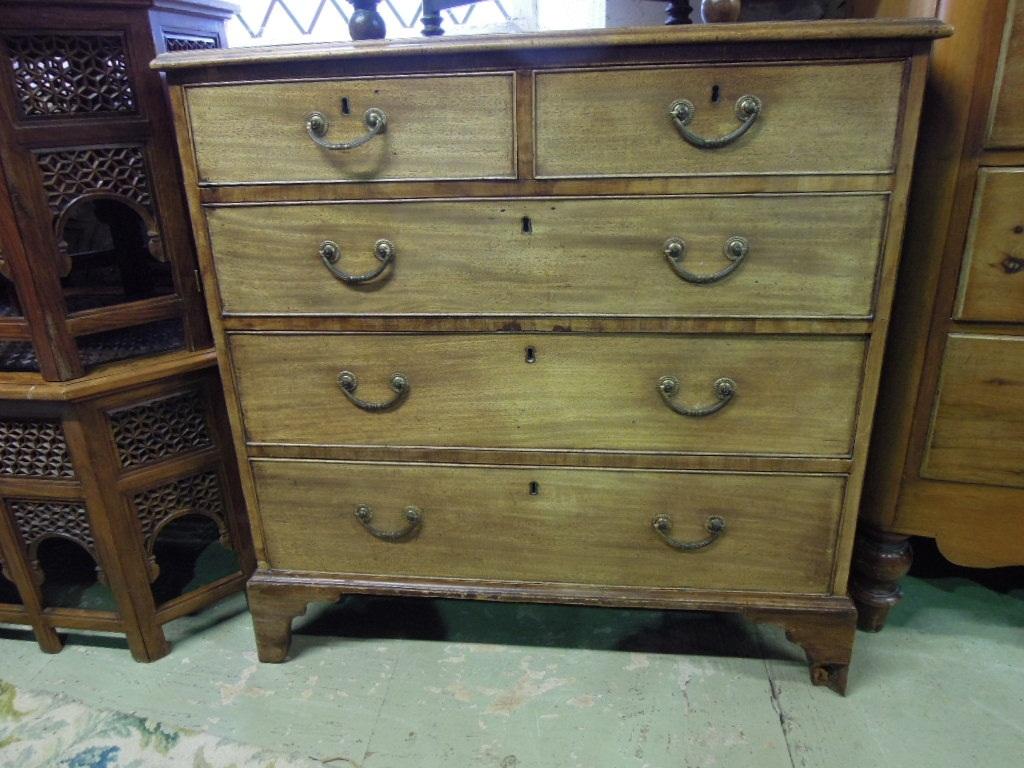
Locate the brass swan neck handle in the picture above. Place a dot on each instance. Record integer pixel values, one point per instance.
(724, 388)
(376, 121)
(330, 254)
(748, 108)
(398, 382)
(715, 527)
(736, 250)
(413, 518)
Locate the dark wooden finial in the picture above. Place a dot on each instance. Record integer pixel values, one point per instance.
(366, 23)
(678, 12)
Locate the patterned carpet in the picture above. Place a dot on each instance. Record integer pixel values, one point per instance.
(39, 730)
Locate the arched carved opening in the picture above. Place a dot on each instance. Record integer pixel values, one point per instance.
(110, 252)
(8, 591)
(10, 304)
(187, 551)
(68, 574)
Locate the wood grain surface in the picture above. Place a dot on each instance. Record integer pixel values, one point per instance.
(1005, 128)
(820, 118)
(794, 395)
(810, 256)
(992, 277)
(977, 432)
(448, 127)
(842, 30)
(575, 526)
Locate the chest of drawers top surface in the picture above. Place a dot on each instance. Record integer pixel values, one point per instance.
(561, 316)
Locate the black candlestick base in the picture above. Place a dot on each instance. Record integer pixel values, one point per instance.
(432, 14)
(678, 12)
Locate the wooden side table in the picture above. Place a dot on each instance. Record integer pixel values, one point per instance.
(111, 421)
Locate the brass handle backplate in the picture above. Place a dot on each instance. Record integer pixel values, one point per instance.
(413, 517)
(330, 255)
(682, 111)
(663, 525)
(725, 390)
(376, 121)
(736, 250)
(399, 383)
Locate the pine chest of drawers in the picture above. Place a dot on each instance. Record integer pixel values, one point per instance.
(588, 318)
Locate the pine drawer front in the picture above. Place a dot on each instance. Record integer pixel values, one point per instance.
(552, 525)
(992, 276)
(792, 395)
(830, 118)
(449, 127)
(796, 256)
(977, 430)
(1005, 128)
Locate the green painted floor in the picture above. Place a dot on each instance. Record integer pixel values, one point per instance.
(425, 684)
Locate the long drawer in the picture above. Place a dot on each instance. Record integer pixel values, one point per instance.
(811, 118)
(745, 394)
(772, 532)
(445, 127)
(800, 255)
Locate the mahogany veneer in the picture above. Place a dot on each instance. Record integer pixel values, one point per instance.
(530, 337)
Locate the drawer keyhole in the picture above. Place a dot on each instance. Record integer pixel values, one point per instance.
(534, 488)
(346, 108)
(715, 94)
(531, 355)
(527, 225)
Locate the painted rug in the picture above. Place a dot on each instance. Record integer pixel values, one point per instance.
(42, 730)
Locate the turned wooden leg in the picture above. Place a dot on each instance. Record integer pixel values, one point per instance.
(880, 560)
(826, 637)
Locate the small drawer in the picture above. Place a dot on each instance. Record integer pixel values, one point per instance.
(706, 394)
(552, 525)
(992, 276)
(977, 430)
(1005, 128)
(448, 127)
(795, 256)
(813, 118)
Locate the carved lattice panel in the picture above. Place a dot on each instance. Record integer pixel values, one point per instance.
(40, 520)
(196, 495)
(18, 356)
(34, 449)
(189, 43)
(61, 75)
(67, 174)
(161, 429)
(124, 343)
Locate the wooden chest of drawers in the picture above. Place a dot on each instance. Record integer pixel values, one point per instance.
(572, 318)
